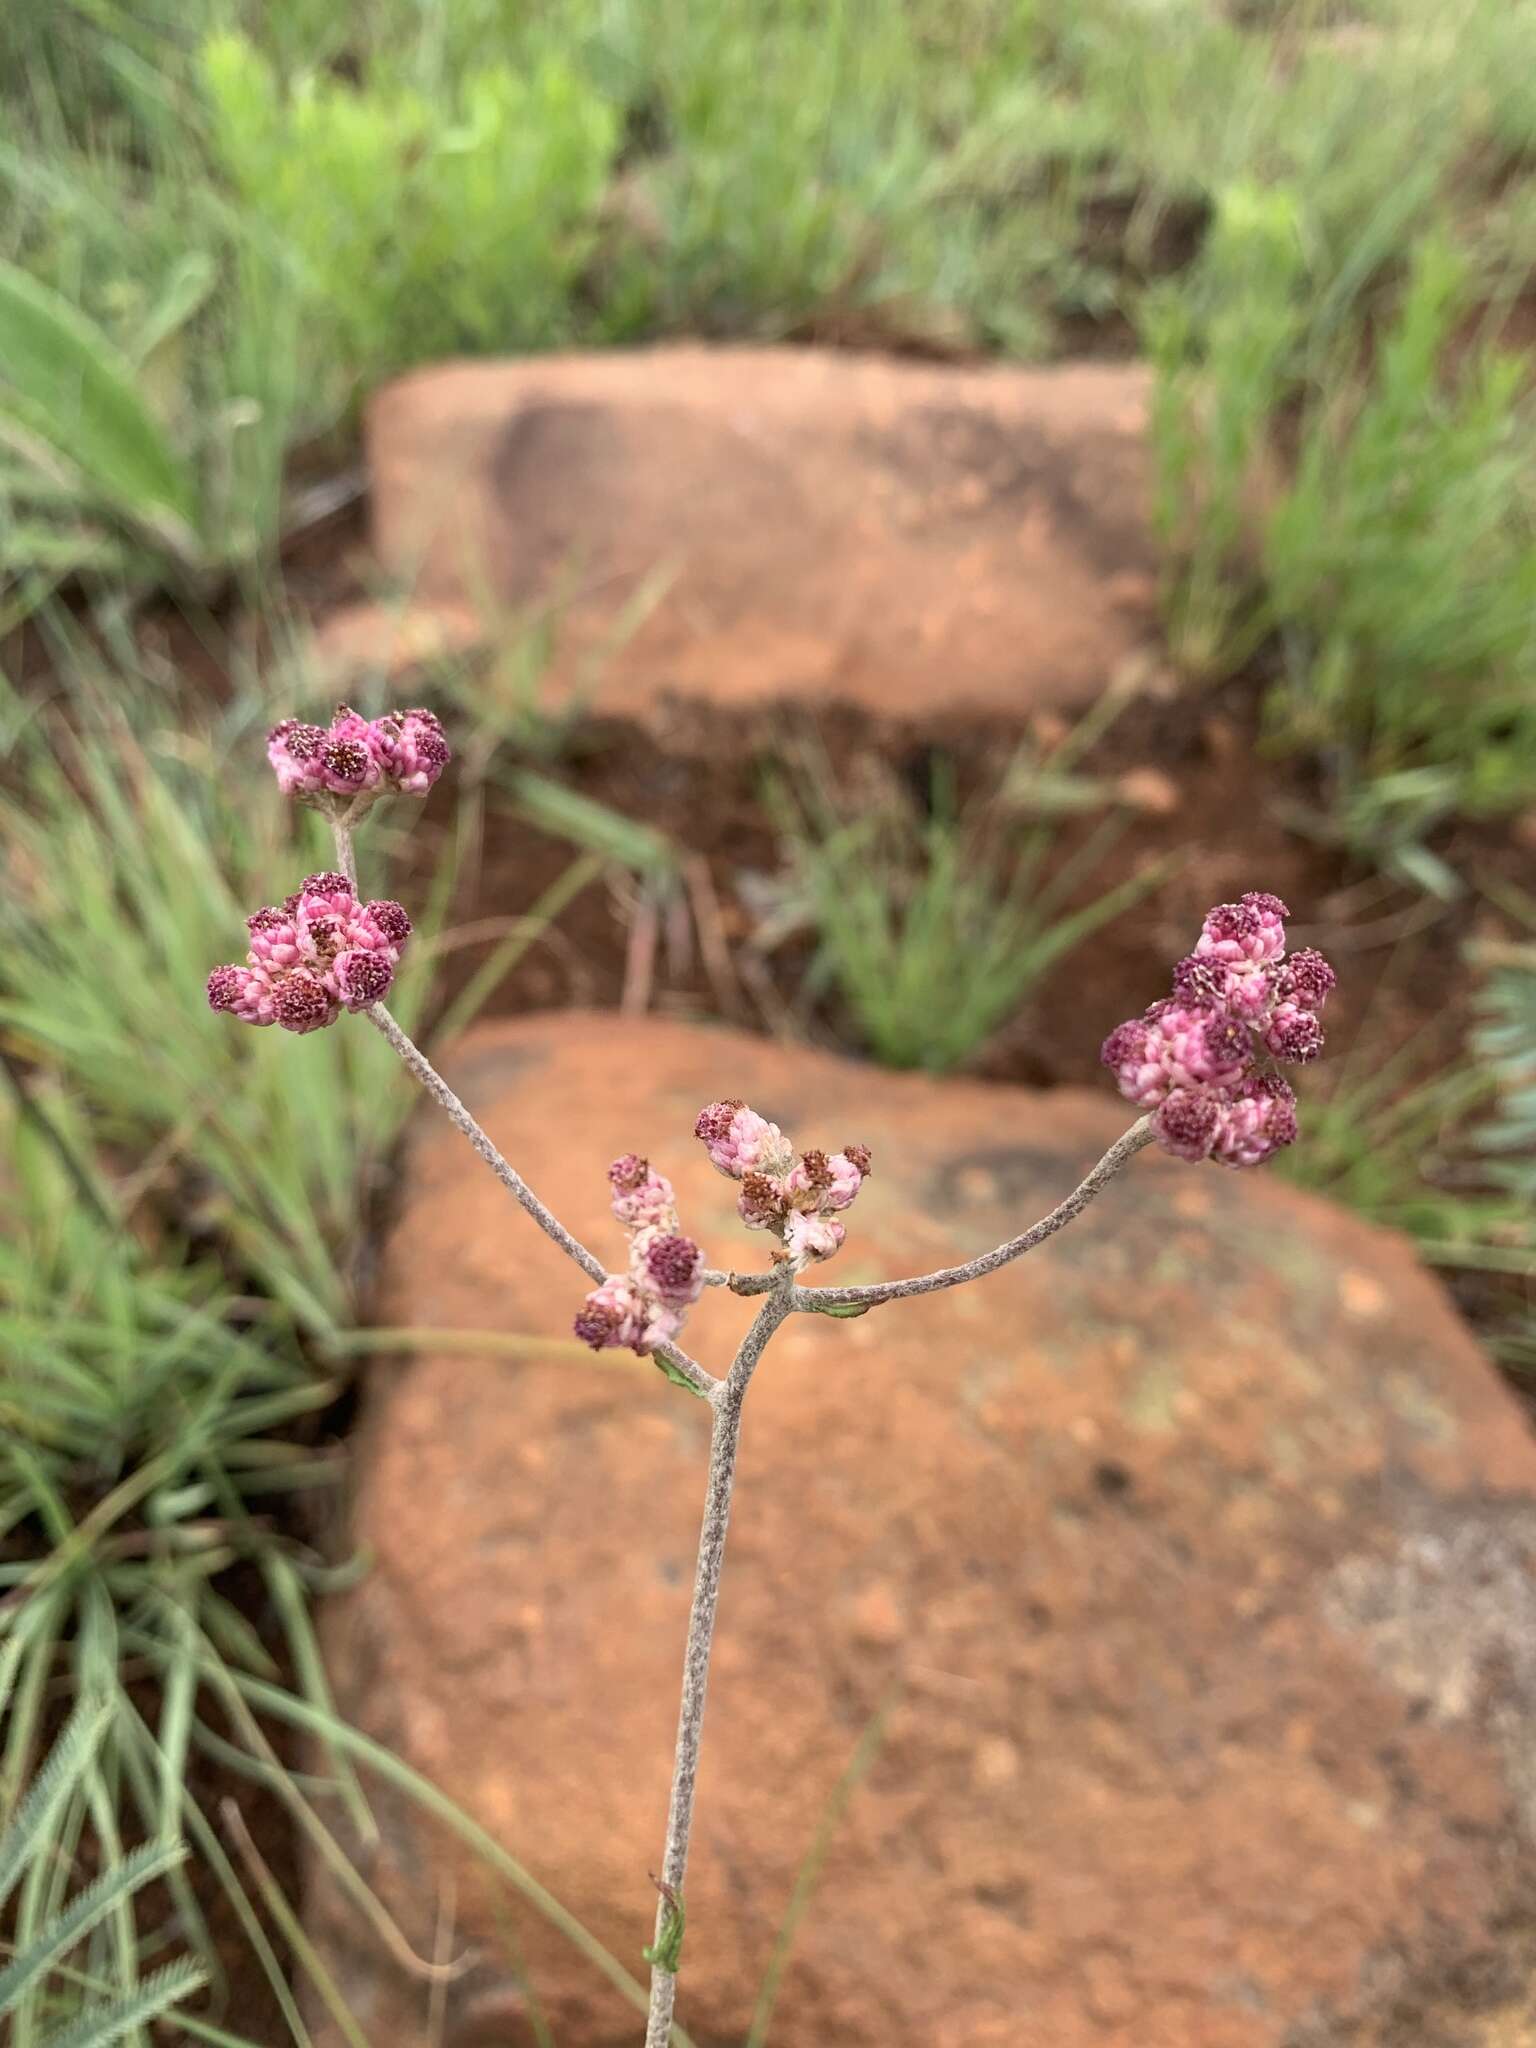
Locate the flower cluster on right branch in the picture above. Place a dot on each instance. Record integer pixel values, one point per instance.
(1199, 1060)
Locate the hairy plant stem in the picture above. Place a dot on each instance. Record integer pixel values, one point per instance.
(346, 858)
(1124, 1149)
(416, 1060)
(726, 1400)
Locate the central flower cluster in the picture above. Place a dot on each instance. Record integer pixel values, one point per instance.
(795, 1196)
(1194, 1059)
(353, 757)
(319, 953)
(645, 1306)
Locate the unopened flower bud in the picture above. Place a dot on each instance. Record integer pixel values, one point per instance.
(1186, 1122)
(302, 1003)
(276, 941)
(242, 992)
(809, 1238)
(763, 1201)
(362, 978)
(642, 1198)
(1259, 1118)
(1250, 933)
(740, 1141)
(348, 767)
(1294, 1035)
(391, 920)
(613, 1316)
(1308, 979)
(671, 1266)
(293, 748)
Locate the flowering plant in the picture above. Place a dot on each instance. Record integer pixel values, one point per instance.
(1200, 1065)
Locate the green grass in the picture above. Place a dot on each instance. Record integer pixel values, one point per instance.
(148, 1428)
(934, 926)
(225, 221)
(39, 1984)
(1505, 1140)
(1445, 1150)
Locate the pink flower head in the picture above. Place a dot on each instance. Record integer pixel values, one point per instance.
(276, 941)
(1294, 1035)
(1125, 1049)
(1244, 993)
(412, 749)
(326, 891)
(1186, 1122)
(818, 1182)
(301, 1002)
(1307, 980)
(808, 1238)
(740, 1141)
(293, 748)
(355, 756)
(243, 992)
(1176, 1045)
(349, 767)
(362, 978)
(1193, 1059)
(391, 920)
(318, 954)
(763, 1202)
(642, 1200)
(646, 1307)
(669, 1266)
(1258, 1118)
(1249, 933)
(613, 1316)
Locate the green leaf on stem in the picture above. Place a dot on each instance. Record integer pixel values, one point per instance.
(666, 1951)
(679, 1379)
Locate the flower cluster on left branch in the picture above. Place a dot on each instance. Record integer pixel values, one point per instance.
(318, 953)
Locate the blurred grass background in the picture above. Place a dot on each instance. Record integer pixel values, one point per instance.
(220, 225)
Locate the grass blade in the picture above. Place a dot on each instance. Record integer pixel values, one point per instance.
(62, 382)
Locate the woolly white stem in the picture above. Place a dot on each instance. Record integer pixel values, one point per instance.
(1119, 1154)
(416, 1060)
(726, 1400)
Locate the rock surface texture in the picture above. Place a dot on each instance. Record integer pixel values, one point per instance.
(757, 525)
(1190, 1559)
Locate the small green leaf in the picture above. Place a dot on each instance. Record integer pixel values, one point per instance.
(666, 1951)
(677, 1378)
(838, 1308)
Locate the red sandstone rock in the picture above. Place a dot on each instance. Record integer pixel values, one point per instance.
(1192, 1555)
(812, 526)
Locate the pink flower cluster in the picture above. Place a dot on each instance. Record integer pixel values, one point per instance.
(356, 757)
(795, 1196)
(645, 1306)
(1195, 1060)
(319, 953)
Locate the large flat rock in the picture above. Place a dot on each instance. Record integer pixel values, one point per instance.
(784, 524)
(1192, 1557)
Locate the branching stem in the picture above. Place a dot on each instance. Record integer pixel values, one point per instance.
(1119, 1154)
(416, 1060)
(724, 1437)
